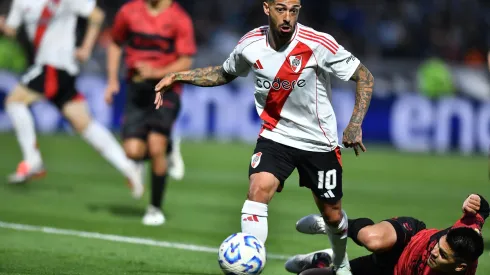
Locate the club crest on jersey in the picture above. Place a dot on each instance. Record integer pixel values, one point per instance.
(295, 62)
(256, 159)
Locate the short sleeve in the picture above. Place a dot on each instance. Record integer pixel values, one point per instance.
(236, 64)
(120, 27)
(339, 61)
(14, 18)
(185, 42)
(83, 7)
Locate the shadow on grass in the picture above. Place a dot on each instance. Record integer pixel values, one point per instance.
(117, 210)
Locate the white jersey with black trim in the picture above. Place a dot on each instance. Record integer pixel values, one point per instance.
(51, 27)
(293, 93)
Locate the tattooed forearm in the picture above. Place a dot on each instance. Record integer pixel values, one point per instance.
(364, 91)
(205, 77)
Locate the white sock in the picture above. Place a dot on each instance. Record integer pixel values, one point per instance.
(338, 240)
(254, 219)
(107, 145)
(24, 128)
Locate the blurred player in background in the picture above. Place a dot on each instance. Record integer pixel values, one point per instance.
(292, 65)
(51, 27)
(403, 245)
(158, 38)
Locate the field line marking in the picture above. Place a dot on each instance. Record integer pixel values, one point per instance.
(118, 238)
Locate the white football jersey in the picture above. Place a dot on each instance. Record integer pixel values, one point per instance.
(51, 27)
(292, 85)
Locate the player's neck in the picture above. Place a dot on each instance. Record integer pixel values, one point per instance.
(277, 41)
(158, 7)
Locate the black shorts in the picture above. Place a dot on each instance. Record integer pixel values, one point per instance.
(384, 263)
(380, 263)
(319, 171)
(58, 86)
(140, 116)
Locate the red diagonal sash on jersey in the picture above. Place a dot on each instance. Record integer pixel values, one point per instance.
(42, 25)
(289, 72)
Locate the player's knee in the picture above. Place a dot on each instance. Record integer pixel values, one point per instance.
(262, 187)
(333, 218)
(371, 239)
(157, 151)
(134, 152)
(14, 98)
(80, 124)
(78, 115)
(21, 94)
(332, 214)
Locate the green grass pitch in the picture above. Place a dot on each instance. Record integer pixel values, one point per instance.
(82, 192)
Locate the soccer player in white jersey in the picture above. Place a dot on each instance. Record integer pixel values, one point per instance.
(51, 27)
(292, 65)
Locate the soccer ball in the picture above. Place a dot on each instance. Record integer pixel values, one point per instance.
(241, 254)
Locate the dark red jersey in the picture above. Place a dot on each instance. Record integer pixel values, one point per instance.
(413, 260)
(154, 39)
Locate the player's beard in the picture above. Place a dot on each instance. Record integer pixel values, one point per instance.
(277, 29)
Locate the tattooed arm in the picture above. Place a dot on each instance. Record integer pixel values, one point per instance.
(364, 90)
(204, 77)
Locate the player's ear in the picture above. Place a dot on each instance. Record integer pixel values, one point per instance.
(266, 8)
(461, 267)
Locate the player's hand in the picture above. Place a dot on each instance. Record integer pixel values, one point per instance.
(111, 90)
(353, 138)
(472, 204)
(145, 71)
(82, 54)
(162, 87)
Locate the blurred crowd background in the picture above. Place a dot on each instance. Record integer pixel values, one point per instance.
(432, 48)
(440, 31)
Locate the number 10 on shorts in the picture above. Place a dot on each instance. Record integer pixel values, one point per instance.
(327, 181)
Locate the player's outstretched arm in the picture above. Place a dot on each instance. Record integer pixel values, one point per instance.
(364, 90)
(203, 77)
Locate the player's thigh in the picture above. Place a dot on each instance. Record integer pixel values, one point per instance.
(22, 94)
(378, 237)
(135, 123)
(157, 144)
(76, 111)
(135, 148)
(31, 87)
(322, 173)
(270, 160)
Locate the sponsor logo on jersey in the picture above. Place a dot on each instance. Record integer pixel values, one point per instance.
(256, 159)
(279, 84)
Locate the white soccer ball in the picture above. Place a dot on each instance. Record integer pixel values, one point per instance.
(241, 254)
